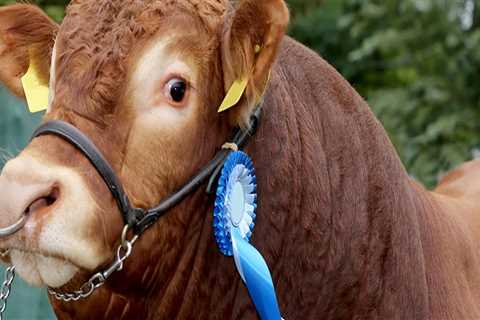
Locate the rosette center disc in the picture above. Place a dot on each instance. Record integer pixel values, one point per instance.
(238, 204)
(236, 201)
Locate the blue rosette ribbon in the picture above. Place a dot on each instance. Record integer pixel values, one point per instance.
(233, 224)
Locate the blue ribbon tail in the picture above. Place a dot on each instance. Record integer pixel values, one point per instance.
(255, 273)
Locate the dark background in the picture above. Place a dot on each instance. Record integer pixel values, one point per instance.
(415, 61)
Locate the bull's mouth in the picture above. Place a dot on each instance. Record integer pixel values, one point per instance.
(42, 269)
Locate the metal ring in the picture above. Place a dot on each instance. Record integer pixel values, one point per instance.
(124, 234)
(14, 228)
(124, 238)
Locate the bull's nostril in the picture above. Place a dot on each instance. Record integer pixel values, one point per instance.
(53, 196)
(43, 202)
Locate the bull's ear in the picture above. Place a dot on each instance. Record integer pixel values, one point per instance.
(251, 38)
(27, 36)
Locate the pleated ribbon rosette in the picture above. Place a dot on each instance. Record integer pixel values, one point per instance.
(233, 224)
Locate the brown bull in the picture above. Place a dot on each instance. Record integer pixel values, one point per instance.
(346, 233)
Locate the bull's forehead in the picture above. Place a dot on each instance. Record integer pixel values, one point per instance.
(97, 38)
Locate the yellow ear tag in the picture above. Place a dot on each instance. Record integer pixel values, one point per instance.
(234, 94)
(237, 89)
(36, 93)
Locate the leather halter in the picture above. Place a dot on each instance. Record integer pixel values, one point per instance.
(139, 219)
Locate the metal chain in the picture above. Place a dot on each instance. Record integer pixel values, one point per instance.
(6, 288)
(124, 251)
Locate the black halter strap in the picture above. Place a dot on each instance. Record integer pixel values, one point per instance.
(141, 219)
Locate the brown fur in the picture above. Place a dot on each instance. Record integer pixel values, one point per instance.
(345, 231)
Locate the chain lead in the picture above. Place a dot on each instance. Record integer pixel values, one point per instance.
(124, 251)
(6, 289)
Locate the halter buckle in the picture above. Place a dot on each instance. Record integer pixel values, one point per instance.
(134, 216)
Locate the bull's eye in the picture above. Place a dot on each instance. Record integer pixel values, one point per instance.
(177, 89)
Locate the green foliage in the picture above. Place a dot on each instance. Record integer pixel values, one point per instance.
(414, 63)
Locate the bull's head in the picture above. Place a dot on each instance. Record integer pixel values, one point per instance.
(142, 79)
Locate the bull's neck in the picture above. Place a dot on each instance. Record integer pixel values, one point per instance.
(339, 218)
(186, 276)
(373, 262)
